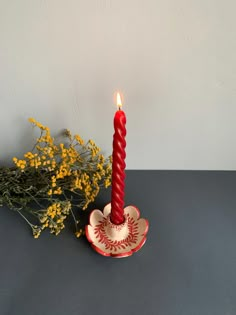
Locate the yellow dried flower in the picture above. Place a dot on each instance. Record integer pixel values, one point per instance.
(78, 233)
(79, 139)
(51, 170)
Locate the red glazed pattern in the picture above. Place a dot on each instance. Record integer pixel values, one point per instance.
(116, 240)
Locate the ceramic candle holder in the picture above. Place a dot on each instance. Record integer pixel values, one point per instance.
(113, 240)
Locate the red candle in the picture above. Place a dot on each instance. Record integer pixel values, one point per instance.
(118, 166)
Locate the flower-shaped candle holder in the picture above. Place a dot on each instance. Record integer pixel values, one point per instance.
(113, 240)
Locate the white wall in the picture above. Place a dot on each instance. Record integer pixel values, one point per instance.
(175, 62)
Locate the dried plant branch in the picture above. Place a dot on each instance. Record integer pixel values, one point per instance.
(52, 179)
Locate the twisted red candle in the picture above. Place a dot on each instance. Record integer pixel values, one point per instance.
(118, 168)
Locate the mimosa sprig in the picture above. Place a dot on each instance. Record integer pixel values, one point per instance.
(52, 180)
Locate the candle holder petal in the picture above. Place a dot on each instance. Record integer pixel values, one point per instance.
(113, 240)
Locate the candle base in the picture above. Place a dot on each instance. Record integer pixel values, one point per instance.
(122, 240)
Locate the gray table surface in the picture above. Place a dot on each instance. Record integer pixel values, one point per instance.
(186, 267)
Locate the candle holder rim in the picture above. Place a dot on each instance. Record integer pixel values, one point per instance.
(98, 246)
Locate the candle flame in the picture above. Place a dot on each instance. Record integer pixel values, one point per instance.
(118, 100)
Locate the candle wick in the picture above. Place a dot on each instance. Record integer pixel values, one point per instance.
(119, 107)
